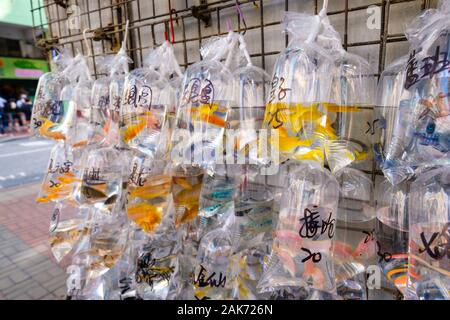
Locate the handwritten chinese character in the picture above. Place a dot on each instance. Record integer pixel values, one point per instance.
(315, 256)
(203, 281)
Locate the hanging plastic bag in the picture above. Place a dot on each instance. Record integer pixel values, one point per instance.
(68, 224)
(108, 240)
(429, 236)
(47, 103)
(392, 232)
(147, 98)
(422, 134)
(302, 247)
(186, 188)
(349, 111)
(301, 81)
(70, 116)
(212, 273)
(155, 266)
(61, 175)
(103, 174)
(162, 59)
(248, 266)
(208, 91)
(355, 244)
(254, 215)
(148, 192)
(100, 104)
(77, 94)
(217, 198)
(387, 111)
(253, 84)
(117, 75)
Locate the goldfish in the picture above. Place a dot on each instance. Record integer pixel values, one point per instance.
(206, 113)
(54, 192)
(44, 130)
(288, 239)
(80, 143)
(360, 155)
(131, 131)
(188, 197)
(213, 120)
(97, 191)
(157, 187)
(325, 131)
(68, 179)
(312, 116)
(286, 144)
(190, 213)
(314, 276)
(182, 182)
(332, 107)
(47, 198)
(365, 248)
(286, 258)
(145, 215)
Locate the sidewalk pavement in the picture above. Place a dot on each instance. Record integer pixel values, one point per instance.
(27, 267)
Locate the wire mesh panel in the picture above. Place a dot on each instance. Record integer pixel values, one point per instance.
(194, 21)
(372, 29)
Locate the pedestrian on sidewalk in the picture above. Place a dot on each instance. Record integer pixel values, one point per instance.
(2, 115)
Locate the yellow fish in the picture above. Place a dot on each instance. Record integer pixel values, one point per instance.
(312, 116)
(188, 197)
(360, 155)
(44, 131)
(182, 182)
(150, 192)
(47, 198)
(332, 107)
(190, 213)
(133, 130)
(68, 179)
(145, 215)
(326, 131)
(286, 144)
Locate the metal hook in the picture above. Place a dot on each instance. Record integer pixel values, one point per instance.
(86, 42)
(172, 33)
(174, 12)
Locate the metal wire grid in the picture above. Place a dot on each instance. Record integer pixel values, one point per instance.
(149, 19)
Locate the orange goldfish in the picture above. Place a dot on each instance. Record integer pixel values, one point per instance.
(190, 213)
(287, 260)
(133, 130)
(145, 215)
(152, 190)
(182, 182)
(80, 143)
(44, 131)
(188, 197)
(314, 275)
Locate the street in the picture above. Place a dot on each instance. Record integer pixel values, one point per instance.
(23, 160)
